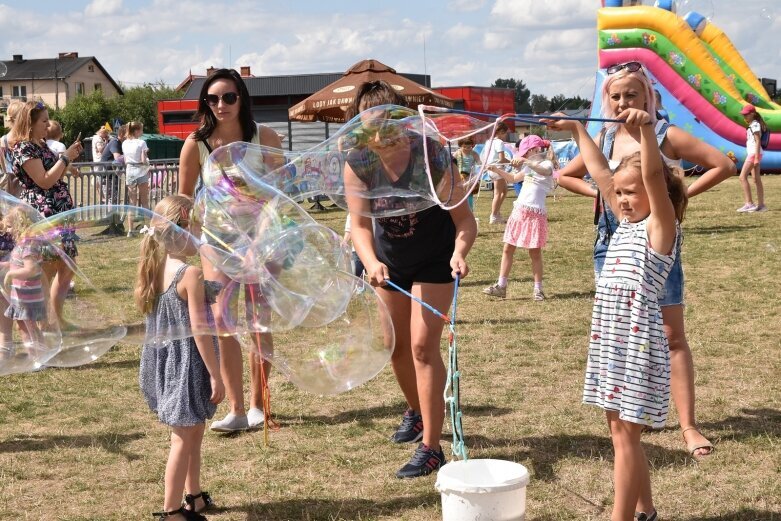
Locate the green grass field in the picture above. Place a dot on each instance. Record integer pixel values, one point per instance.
(80, 444)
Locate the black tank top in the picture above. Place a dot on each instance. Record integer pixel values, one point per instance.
(410, 239)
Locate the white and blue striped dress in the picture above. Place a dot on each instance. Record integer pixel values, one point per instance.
(628, 368)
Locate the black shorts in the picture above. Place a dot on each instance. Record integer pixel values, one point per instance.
(431, 273)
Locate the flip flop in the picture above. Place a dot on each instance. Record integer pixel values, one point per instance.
(694, 447)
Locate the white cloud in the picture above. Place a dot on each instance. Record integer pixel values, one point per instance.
(133, 33)
(497, 40)
(549, 44)
(103, 8)
(537, 14)
(460, 34)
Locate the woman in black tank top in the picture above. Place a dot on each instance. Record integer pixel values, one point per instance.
(421, 252)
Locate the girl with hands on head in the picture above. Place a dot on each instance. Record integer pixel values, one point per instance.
(628, 365)
(628, 87)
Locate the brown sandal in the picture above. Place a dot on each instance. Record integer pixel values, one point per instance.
(694, 447)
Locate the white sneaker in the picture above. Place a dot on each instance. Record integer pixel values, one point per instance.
(231, 423)
(495, 290)
(759, 208)
(748, 207)
(255, 418)
(496, 219)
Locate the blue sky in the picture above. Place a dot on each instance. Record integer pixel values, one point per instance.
(549, 44)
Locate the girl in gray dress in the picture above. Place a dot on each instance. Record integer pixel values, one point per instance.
(180, 373)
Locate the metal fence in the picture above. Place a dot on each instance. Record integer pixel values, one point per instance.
(104, 184)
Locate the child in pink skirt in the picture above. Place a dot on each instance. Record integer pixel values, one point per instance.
(527, 226)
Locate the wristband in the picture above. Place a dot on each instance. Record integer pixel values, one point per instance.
(65, 160)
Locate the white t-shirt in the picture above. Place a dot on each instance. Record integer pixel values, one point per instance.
(751, 139)
(55, 146)
(535, 186)
(492, 150)
(133, 151)
(491, 154)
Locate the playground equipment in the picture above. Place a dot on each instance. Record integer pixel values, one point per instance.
(703, 80)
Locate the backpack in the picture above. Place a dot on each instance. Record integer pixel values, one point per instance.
(764, 139)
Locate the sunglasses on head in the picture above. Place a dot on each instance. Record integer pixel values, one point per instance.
(630, 66)
(229, 98)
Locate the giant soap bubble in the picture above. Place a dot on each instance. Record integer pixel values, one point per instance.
(29, 337)
(341, 354)
(99, 310)
(385, 162)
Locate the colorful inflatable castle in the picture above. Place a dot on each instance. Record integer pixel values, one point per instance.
(703, 80)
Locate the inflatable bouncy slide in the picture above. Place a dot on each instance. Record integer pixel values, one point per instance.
(702, 78)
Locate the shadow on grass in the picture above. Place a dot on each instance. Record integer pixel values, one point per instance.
(740, 515)
(369, 413)
(390, 411)
(707, 230)
(496, 321)
(105, 364)
(543, 454)
(111, 442)
(573, 295)
(749, 424)
(314, 508)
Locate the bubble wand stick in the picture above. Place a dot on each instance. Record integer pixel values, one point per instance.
(519, 117)
(453, 380)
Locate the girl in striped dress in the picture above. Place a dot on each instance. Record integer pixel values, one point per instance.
(628, 367)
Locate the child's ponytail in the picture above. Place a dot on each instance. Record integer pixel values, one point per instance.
(164, 234)
(149, 273)
(677, 189)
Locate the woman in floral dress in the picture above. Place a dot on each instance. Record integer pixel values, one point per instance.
(40, 173)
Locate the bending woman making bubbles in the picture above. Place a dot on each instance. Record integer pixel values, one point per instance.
(421, 252)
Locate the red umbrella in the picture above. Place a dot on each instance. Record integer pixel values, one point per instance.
(330, 103)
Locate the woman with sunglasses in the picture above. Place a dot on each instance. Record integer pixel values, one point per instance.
(224, 109)
(421, 252)
(625, 87)
(40, 172)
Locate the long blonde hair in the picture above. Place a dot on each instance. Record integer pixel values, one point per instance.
(16, 221)
(171, 210)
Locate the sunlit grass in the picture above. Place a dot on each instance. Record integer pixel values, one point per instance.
(80, 444)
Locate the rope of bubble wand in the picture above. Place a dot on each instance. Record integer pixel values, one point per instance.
(268, 419)
(453, 379)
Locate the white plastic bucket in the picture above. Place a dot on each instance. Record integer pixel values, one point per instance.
(483, 490)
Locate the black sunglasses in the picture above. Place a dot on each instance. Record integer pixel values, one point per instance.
(229, 98)
(630, 66)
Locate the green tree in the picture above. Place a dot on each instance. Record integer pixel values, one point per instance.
(83, 114)
(522, 93)
(140, 104)
(539, 103)
(558, 102)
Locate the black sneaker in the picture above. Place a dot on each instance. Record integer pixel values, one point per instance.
(423, 462)
(410, 430)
